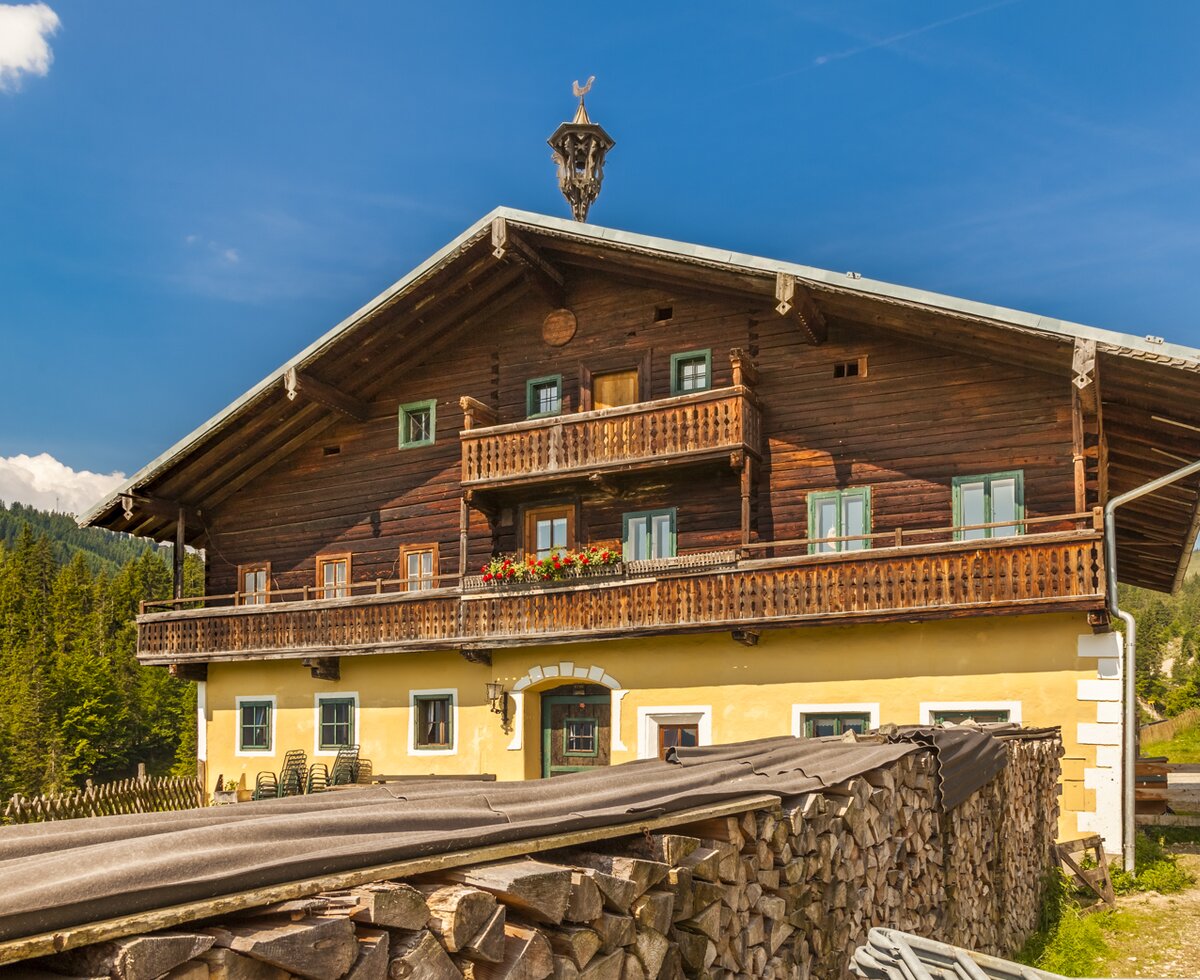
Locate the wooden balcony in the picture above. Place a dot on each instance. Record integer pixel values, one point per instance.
(707, 425)
(1034, 573)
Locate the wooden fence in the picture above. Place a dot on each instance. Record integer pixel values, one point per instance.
(140, 794)
(1164, 731)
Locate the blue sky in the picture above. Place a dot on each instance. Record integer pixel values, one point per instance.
(190, 193)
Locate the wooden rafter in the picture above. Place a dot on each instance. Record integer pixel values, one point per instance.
(299, 383)
(508, 244)
(795, 299)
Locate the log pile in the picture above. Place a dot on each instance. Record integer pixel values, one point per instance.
(788, 891)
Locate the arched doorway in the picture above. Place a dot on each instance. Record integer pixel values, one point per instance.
(576, 728)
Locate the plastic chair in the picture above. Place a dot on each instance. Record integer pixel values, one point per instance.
(345, 766)
(318, 778)
(266, 786)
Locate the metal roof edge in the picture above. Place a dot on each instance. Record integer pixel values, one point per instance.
(841, 280)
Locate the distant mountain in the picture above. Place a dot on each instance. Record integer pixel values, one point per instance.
(104, 550)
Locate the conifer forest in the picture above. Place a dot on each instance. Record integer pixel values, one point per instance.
(74, 703)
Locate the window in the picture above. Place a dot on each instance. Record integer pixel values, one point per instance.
(254, 584)
(418, 423)
(433, 721)
(543, 396)
(996, 498)
(824, 719)
(856, 368)
(254, 725)
(549, 529)
(677, 736)
(680, 723)
(649, 534)
(580, 736)
(835, 723)
(419, 567)
(333, 577)
(839, 514)
(981, 715)
(691, 371)
(335, 721)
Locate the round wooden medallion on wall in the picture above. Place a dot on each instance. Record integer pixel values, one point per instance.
(559, 327)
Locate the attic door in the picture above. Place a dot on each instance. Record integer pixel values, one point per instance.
(576, 733)
(614, 388)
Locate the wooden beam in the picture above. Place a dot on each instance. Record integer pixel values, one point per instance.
(297, 383)
(476, 656)
(324, 668)
(178, 554)
(150, 505)
(507, 244)
(793, 297)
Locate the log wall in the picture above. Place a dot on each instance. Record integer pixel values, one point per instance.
(920, 416)
(784, 891)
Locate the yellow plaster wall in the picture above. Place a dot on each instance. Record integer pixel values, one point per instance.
(751, 690)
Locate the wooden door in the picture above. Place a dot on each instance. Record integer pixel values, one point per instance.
(576, 732)
(615, 388)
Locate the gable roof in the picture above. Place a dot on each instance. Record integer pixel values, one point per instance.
(1148, 387)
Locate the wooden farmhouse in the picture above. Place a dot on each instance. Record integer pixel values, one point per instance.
(565, 496)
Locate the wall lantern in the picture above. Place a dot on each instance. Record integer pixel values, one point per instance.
(498, 699)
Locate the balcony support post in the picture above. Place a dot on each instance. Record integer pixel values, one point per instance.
(747, 485)
(178, 552)
(464, 528)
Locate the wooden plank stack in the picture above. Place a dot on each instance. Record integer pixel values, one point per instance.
(786, 892)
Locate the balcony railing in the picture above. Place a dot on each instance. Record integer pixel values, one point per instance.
(1045, 572)
(689, 428)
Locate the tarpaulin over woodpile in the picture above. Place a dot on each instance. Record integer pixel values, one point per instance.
(67, 873)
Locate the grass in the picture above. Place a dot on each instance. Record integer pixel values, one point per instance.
(1076, 943)
(1154, 870)
(1184, 747)
(1068, 941)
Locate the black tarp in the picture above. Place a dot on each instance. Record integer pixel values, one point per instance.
(65, 873)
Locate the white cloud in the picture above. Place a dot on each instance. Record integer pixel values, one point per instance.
(223, 253)
(42, 481)
(24, 42)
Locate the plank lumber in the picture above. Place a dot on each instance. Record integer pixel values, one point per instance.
(372, 961)
(135, 958)
(542, 891)
(317, 948)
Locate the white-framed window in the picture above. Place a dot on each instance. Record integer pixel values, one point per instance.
(254, 716)
(935, 712)
(816, 720)
(656, 725)
(433, 721)
(335, 721)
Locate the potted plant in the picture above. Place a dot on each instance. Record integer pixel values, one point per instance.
(557, 567)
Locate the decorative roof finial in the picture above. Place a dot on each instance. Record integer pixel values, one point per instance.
(580, 147)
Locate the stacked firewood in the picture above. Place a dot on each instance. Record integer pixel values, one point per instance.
(788, 891)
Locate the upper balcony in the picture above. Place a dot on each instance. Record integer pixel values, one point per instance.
(916, 574)
(722, 423)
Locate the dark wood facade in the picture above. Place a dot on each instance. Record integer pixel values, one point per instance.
(919, 417)
(813, 385)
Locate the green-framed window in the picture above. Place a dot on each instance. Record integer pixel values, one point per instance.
(983, 716)
(335, 722)
(648, 534)
(254, 726)
(839, 514)
(581, 737)
(989, 499)
(433, 716)
(822, 724)
(691, 371)
(543, 396)
(418, 424)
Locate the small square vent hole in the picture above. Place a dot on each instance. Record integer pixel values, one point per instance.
(331, 450)
(663, 313)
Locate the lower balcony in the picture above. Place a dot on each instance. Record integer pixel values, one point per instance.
(1047, 572)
